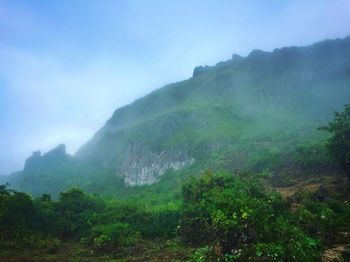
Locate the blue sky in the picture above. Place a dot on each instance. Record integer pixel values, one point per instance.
(66, 65)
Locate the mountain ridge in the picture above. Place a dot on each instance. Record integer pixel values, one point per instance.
(246, 113)
(139, 112)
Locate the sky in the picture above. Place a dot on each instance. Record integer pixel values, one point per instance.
(66, 65)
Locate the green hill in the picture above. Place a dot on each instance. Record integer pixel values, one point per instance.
(247, 113)
(237, 114)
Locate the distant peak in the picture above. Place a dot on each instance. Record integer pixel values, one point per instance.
(58, 150)
(256, 52)
(33, 160)
(200, 70)
(53, 157)
(36, 153)
(236, 57)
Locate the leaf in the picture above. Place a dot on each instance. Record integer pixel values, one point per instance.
(245, 215)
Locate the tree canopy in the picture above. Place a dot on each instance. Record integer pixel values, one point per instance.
(339, 142)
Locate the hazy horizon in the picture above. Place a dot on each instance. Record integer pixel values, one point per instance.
(67, 66)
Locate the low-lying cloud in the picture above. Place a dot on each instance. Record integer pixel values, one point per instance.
(67, 65)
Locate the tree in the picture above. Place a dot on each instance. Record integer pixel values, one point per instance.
(74, 210)
(16, 212)
(339, 142)
(240, 221)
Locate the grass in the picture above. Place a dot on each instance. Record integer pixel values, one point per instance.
(147, 250)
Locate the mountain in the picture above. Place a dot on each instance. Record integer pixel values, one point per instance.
(55, 171)
(247, 113)
(239, 114)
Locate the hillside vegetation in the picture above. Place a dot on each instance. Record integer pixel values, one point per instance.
(244, 161)
(249, 113)
(238, 114)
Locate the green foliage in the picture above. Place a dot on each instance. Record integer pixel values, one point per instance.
(226, 217)
(323, 220)
(48, 244)
(302, 161)
(75, 211)
(108, 236)
(235, 214)
(339, 142)
(312, 157)
(235, 115)
(17, 213)
(257, 114)
(158, 222)
(203, 254)
(290, 242)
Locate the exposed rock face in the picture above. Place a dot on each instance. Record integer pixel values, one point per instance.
(143, 167)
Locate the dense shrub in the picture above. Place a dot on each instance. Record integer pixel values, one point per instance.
(16, 213)
(339, 143)
(75, 213)
(313, 157)
(108, 236)
(224, 217)
(241, 221)
(327, 220)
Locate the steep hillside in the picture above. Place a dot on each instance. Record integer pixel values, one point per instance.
(239, 114)
(259, 112)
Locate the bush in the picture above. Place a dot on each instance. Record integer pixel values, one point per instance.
(75, 211)
(313, 157)
(203, 254)
(108, 236)
(160, 222)
(237, 217)
(339, 143)
(16, 213)
(325, 220)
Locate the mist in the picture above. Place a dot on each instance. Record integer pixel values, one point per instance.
(157, 130)
(66, 66)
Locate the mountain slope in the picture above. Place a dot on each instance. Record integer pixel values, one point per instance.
(238, 114)
(55, 171)
(249, 113)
